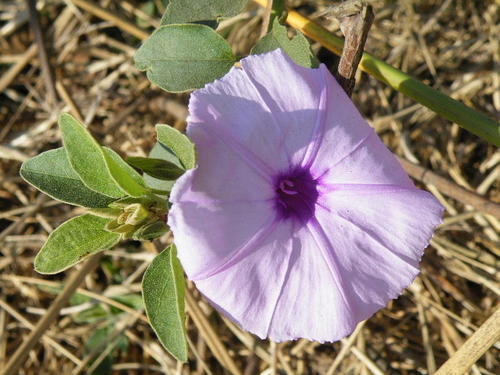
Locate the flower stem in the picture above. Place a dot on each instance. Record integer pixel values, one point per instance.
(160, 192)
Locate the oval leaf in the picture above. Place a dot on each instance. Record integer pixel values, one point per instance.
(298, 48)
(72, 241)
(51, 173)
(160, 151)
(184, 57)
(184, 11)
(124, 175)
(163, 293)
(86, 157)
(178, 143)
(157, 168)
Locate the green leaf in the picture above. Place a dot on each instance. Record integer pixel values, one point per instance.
(184, 57)
(279, 11)
(124, 175)
(178, 143)
(297, 48)
(151, 231)
(210, 23)
(157, 168)
(92, 315)
(160, 151)
(106, 212)
(102, 311)
(149, 9)
(52, 173)
(86, 157)
(99, 340)
(133, 300)
(185, 11)
(163, 293)
(72, 241)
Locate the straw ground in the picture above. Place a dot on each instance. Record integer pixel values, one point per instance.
(88, 70)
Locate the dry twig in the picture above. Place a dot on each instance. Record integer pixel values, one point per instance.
(355, 19)
(44, 323)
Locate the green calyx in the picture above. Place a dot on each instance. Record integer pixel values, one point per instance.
(140, 218)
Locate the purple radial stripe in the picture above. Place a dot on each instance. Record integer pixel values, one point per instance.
(360, 188)
(319, 127)
(283, 284)
(356, 148)
(217, 202)
(248, 247)
(374, 237)
(267, 104)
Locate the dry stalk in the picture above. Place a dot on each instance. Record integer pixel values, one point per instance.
(44, 323)
(487, 335)
(48, 74)
(451, 189)
(103, 13)
(355, 20)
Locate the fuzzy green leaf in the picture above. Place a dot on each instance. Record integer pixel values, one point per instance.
(163, 293)
(184, 57)
(178, 143)
(87, 157)
(158, 168)
(160, 151)
(185, 11)
(124, 175)
(72, 241)
(297, 48)
(51, 173)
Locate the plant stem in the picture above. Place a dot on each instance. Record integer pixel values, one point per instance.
(355, 20)
(451, 109)
(160, 192)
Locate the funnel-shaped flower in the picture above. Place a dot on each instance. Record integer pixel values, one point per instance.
(297, 222)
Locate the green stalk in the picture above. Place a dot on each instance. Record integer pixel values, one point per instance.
(451, 109)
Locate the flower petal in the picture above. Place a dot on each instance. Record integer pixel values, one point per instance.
(370, 162)
(232, 108)
(209, 234)
(353, 260)
(399, 219)
(296, 96)
(222, 175)
(247, 292)
(312, 303)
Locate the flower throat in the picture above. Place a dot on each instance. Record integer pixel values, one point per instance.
(296, 195)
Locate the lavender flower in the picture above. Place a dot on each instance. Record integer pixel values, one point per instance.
(297, 222)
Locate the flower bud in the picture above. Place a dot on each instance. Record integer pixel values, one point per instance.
(138, 218)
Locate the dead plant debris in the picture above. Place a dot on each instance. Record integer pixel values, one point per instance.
(451, 45)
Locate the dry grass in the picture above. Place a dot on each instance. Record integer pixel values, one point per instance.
(451, 45)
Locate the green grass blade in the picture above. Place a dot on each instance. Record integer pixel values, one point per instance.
(451, 109)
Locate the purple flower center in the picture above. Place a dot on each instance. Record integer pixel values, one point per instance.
(296, 195)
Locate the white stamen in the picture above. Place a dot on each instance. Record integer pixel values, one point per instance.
(285, 189)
